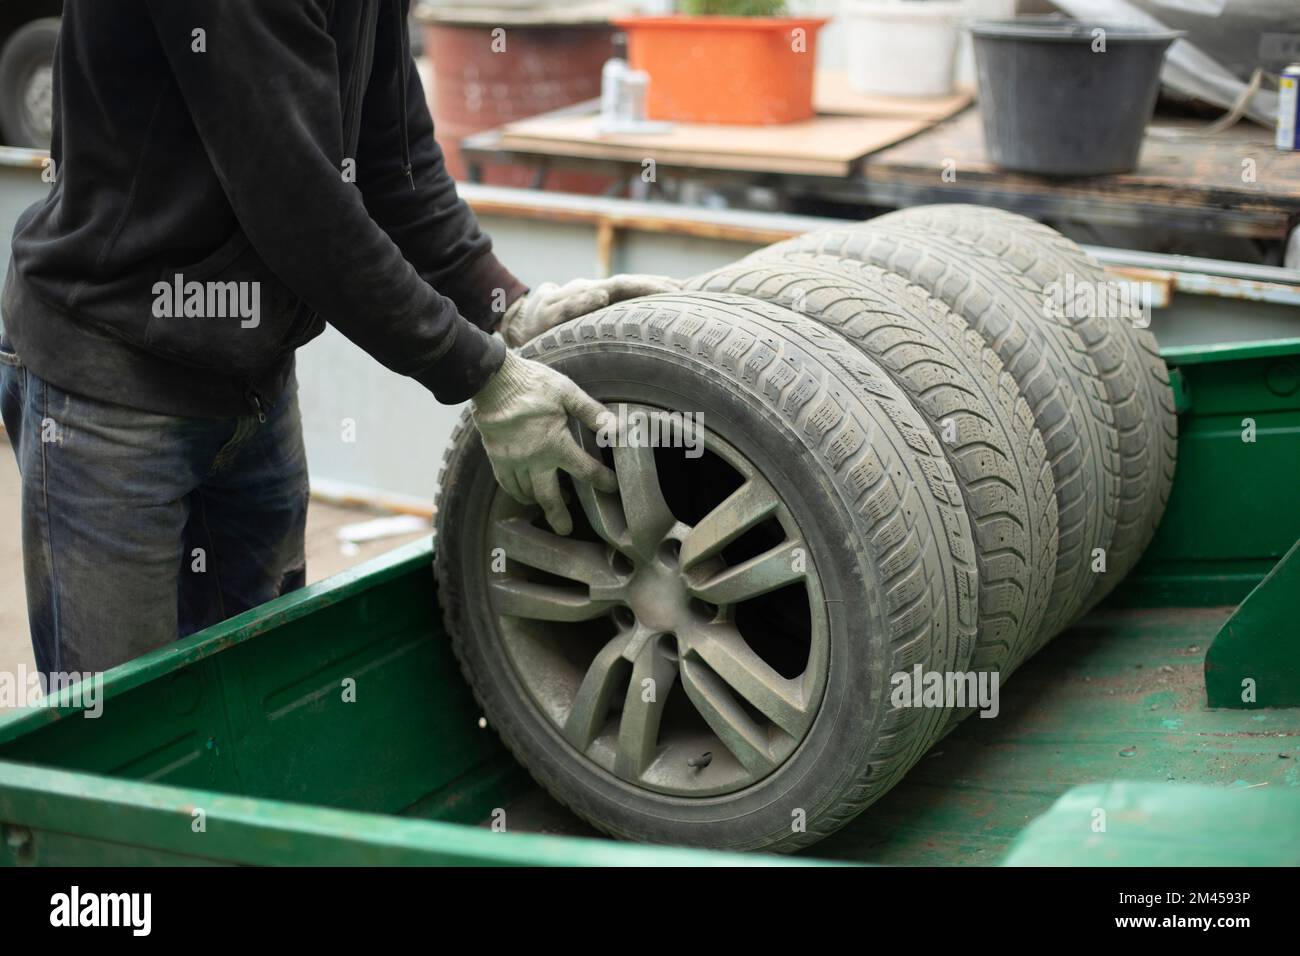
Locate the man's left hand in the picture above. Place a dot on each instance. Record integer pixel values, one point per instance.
(550, 305)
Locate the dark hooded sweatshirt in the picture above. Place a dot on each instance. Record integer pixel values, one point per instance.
(229, 142)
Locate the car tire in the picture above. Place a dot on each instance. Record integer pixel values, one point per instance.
(1051, 368)
(26, 113)
(820, 438)
(973, 407)
(1135, 377)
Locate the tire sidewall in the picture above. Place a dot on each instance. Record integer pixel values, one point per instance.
(30, 47)
(855, 698)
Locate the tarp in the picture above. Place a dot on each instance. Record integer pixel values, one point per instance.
(1227, 40)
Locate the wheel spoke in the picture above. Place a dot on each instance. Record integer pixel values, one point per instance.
(740, 668)
(677, 596)
(604, 515)
(604, 511)
(648, 516)
(768, 571)
(545, 602)
(567, 557)
(743, 509)
(738, 732)
(638, 731)
(595, 695)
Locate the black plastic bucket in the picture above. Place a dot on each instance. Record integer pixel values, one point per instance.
(1063, 98)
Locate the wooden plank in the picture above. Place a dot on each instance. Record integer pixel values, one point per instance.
(824, 145)
(832, 94)
(1233, 183)
(1192, 170)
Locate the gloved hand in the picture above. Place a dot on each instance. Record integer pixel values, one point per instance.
(522, 413)
(550, 305)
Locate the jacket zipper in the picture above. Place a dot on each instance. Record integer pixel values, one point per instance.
(256, 403)
(305, 315)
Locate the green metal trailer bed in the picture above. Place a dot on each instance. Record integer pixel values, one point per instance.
(332, 726)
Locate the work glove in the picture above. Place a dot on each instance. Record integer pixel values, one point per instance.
(550, 305)
(522, 414)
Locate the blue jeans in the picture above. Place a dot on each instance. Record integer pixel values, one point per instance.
(140, 528)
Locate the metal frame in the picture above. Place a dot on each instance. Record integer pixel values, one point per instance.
(1255, 659)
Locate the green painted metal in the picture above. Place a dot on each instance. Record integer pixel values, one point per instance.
(1143, 824)
(1255, 658)
(247, 722)
(1118, 697)
(1233, 511)
(251, 721)
(79, 819)
(1231, 351)
(268, 717)
(1182, 397)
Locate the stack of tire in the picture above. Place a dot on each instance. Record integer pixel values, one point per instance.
(970, 464)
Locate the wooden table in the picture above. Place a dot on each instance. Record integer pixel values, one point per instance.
(1233, 183)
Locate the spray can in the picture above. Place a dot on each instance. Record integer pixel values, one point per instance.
(611, 89)
(1288, 108)
(622, 99)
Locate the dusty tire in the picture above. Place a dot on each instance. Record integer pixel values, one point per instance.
(1052, 370)
(972, 405)
(1135, 377)
(26, 84)
(863, 483)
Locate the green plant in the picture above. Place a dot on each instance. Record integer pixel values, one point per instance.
(733, 8)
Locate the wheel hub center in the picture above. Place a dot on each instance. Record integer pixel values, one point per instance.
(658, 597)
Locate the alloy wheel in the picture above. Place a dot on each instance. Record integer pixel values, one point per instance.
(679, 641)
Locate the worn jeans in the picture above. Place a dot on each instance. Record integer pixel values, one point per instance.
(140, 528)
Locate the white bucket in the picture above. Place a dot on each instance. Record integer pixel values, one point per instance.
(977, 10)
(902, 47)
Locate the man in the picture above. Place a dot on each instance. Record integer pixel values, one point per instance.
(227, 178)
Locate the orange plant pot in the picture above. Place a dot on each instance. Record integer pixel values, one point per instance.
(741, 70)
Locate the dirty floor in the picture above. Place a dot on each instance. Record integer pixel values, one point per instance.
(1121, 696)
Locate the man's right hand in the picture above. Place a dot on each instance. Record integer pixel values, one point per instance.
(522, 413)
